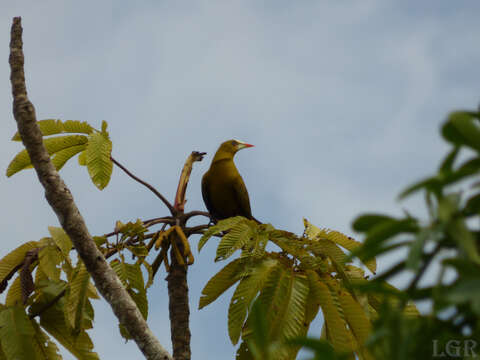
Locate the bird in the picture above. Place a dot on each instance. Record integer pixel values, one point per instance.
(223, 190)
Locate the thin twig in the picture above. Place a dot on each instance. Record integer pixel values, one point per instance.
(196, 229)
(424, 267)
(147, 223)
(131, 241)
(150, 187)
(190, 214)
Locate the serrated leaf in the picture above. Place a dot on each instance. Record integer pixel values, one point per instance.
(138, 250)
(61, 157)
(284, 298)
(53, 145)
(120, 269)
(99, 163)
(77, 297)
(221, 226)
(17, 334)
(356, 318)
(44, 347)
(14, 295)
(53, 321)
(244, 294)
(14, 259)
(77, 126)
(82, 158)
(341, 239)
(61, 239)
(47, 127)
(222, 281)
(49, 258)
(140, 299)
(238, 236)
(149, 269)
(337, 332)
(135, 276)
(55, 126)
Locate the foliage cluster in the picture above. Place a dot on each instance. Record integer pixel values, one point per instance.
(448, 238)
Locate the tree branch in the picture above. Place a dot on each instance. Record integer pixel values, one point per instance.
(190, 214)
(152, 189)
(184, 177)
(61, 200)
(177, 276)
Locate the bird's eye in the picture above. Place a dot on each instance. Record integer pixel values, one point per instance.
(234, 142)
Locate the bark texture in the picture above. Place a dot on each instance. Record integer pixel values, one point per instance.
(177, 277)
(179, 310)
(61, 201)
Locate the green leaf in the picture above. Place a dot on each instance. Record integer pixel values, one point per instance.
(341, 239)
(222, 281)
(464, 238)
(365, 222)
(53, 321)
(15, 258)
(76, 126)
(383, 232)
(238, 236)
(77, 297)
(61, 239)
(99, 163)
(49, 257)
(138, 250)
(82, 158)
(17, 334)
(290, 319)
(337, 332)
(45, 348)
(54, 126)
(447, 164)
(244, 294)
(432, 184)
(221, 226)
(357, 320)
(53, 145)
(462, 128)
(60, 158)
(416, 250)
(14, 295)
(472, 207)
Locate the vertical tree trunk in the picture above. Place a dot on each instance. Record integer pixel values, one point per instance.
(179, 310)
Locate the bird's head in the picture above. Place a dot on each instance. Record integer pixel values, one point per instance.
(230, 148)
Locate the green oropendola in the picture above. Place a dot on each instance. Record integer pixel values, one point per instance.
(223, 189)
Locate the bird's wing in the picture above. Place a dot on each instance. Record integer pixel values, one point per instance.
(206, 193)
(241, 195)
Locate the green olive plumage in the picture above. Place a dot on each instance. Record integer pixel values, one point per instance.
(223, 189)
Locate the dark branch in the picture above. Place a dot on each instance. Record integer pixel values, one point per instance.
(190, 214)
(150, 187)
(196, 229)
(426, 263)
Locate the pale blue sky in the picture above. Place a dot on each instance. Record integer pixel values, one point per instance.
(343, 101)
